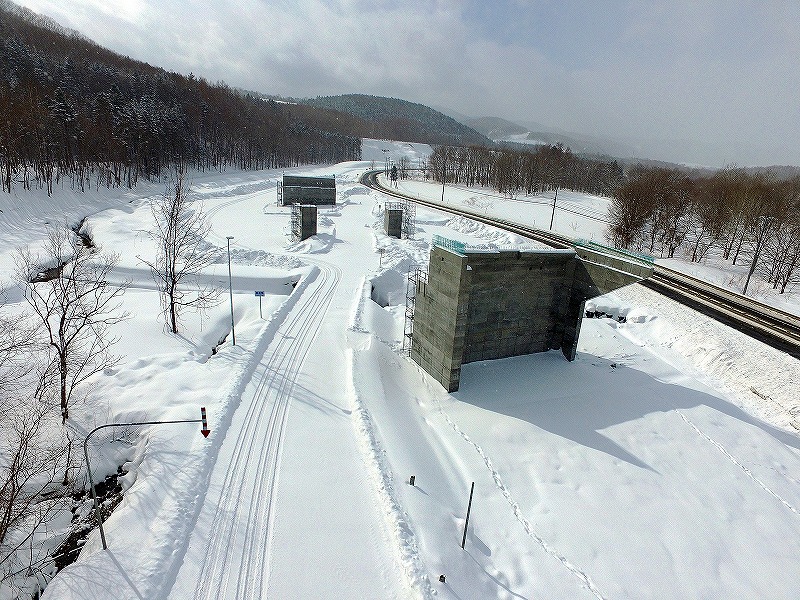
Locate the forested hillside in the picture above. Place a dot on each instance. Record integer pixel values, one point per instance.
(393, 119)
(72, 109)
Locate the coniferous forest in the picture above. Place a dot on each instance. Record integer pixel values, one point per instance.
(72, 110)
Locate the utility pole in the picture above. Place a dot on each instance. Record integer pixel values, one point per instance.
(553, 216)
(559, 176)
(444, 176)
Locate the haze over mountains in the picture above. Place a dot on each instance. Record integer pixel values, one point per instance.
(720, 76)
(628, 150)
(366, 115)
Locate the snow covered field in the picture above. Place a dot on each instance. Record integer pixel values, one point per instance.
(647, 468)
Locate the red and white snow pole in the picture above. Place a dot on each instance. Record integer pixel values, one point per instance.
(204, 430)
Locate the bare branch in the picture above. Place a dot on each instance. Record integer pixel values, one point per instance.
(74, 304)
(180, 233)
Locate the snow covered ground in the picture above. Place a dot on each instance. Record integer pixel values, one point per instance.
(663, 462)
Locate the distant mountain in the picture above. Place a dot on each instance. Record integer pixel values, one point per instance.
(391, 118)
(518, 135)
(495, 128)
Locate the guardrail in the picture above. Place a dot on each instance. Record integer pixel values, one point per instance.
(448, 244)
(735, 306)
(630, 254)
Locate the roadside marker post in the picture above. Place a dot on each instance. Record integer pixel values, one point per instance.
(204, 430)
(259, 295)
(466, 521)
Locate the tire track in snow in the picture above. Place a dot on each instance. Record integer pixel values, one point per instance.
(223, 534)
(239, 516)
(196, 496)
(222, 529)
(581, 575)
(315, 309)
(731, 458)
(235, 200)
(296, 332)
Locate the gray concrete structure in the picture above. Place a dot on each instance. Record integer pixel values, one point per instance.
(304, 221)
(393, 221)
(481, 305)
(308, 190)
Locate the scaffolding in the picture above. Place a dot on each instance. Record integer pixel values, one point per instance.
(395, 206)
(409, 219)
(417, 279)
(296, 223)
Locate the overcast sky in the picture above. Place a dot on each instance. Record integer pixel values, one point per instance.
(722, 75)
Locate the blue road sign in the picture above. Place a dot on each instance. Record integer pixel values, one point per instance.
(259, 293)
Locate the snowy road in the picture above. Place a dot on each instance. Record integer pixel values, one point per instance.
(228, 554)
(287, 474)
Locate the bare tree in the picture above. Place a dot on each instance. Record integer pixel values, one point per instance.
(33, 453)
(767, 212)
(182, 253)
(707, 216)
(781, 265)
(31, 470)
(632, 209)
(404, 164)
(68, 289)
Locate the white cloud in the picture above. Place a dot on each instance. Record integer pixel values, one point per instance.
(722, 73)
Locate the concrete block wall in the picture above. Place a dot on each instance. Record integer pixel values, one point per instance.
(479, 305)
(393, 222)
(595, 274)
(308, 221)
(603, 265)
(516, 303)
(440, 317)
